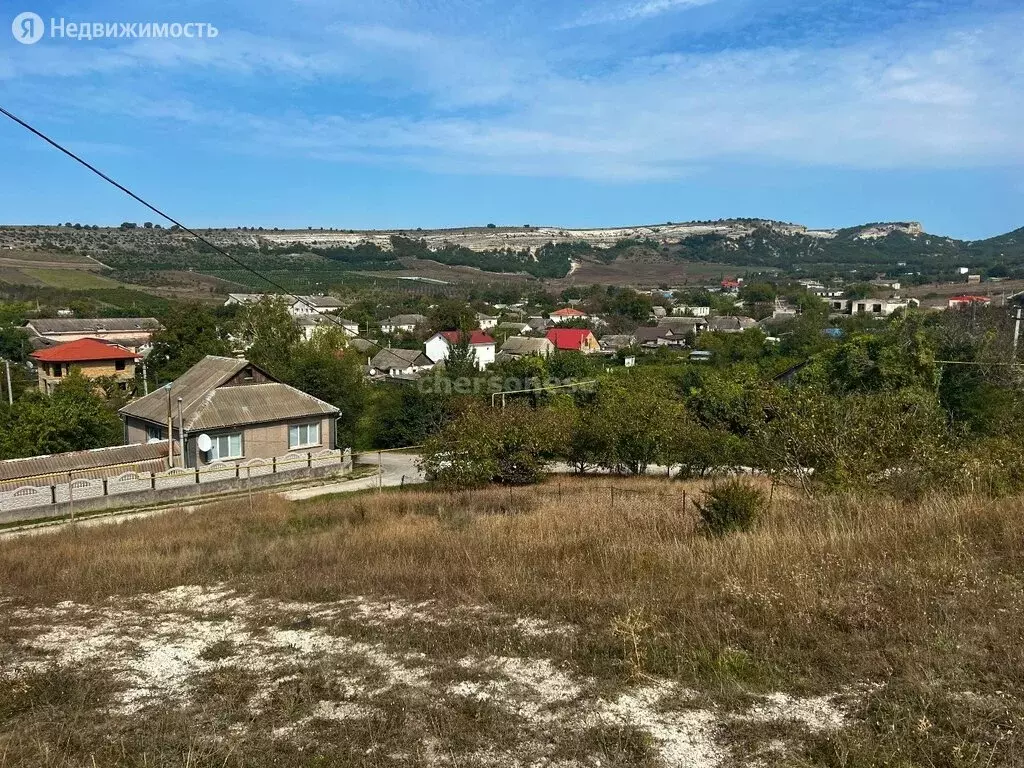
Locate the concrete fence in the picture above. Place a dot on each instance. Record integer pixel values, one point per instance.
(86, 494)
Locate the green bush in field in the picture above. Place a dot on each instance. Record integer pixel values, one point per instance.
(732, 505)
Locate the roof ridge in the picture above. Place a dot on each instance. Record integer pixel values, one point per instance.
(197, 411)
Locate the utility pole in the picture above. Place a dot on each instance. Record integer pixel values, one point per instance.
(1017, 335)
(145, 379)
(10, 390)
(181, 434)
(170, 430)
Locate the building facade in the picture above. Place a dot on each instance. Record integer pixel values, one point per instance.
(91, 358)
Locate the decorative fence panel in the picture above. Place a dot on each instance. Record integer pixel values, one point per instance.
(218, 470)
(175, 478)
(257, 467)
(129, 482)
(86, 489)
(82, 489)
(26, 497)
(325, 458)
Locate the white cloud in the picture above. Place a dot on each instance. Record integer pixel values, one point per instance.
(907, 98)
(635, 11)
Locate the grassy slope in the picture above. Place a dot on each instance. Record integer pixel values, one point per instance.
(71, 279)
(912, 610)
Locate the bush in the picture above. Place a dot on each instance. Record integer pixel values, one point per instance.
(733, 505)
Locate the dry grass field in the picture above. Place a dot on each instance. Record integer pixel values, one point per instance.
(563, 625)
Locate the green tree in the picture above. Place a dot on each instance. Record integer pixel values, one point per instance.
(190, 332)
(854, 440)
(270, 334)
(758, 293)
(399, 416)
(14, 345)
(451, 315)
(327, 368)
(75, 417)
(634, 421)
(510, 445)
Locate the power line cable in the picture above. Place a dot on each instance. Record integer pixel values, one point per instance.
(171, 219)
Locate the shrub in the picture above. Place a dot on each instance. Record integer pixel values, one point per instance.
(733, 505)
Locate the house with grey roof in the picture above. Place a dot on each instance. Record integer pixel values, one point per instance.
(656, 337)
(135, 333)
(681, 326)
(298, 306)
(308, 324)
(236, 408)
(730, 323)
(516, 347)
(510, 327)
(402, 323)
(399, 362)
(613, 342)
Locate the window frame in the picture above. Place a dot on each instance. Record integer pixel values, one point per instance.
(298, 446)
(214, 451)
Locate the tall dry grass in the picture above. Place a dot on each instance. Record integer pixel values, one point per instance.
(822, 594)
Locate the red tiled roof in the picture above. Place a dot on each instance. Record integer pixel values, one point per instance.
(568, 338)
(568, 312)
(84, 350)
(475, 337)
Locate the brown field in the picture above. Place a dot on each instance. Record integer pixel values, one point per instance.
(17, 277)
(620, 272)
(457, 274)
(46, 259)
(565, 625)
(945, 290)
(651, 274)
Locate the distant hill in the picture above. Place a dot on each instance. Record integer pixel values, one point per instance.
(543, 252)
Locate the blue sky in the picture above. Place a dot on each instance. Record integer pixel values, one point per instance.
(448, 113)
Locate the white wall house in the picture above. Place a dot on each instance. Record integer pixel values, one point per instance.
(486, 322)
(402, 323)
(309, 324)
(298, 306)
(685, 309)
(567, 314)
(874, 307)
(481, 345)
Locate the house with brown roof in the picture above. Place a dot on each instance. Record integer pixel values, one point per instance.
(92, 358)
(236, 410)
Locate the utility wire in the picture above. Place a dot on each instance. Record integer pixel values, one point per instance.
(170, 218)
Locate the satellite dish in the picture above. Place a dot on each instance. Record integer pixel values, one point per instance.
(205, 443)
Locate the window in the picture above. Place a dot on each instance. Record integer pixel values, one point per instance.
(57, 371)
(226, 447)
(154, 432)
(303, 435)
(119, 365)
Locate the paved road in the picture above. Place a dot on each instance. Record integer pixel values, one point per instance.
(396, 469)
